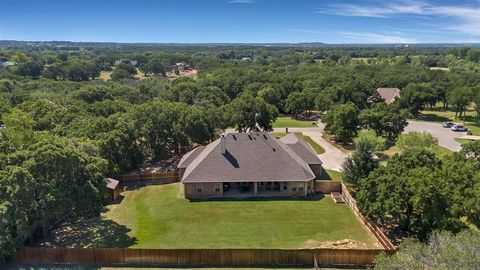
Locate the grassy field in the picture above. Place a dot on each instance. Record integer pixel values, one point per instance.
(158, 217)
(331, 175)
(284, 122)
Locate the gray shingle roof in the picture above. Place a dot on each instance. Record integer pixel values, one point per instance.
(249, 157)
(389, 94)
(190, 156)
(301, 148)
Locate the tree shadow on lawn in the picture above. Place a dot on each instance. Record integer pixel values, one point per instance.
(430, 117)
(89, 232)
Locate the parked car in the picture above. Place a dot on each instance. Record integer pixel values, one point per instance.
(447, 124)
(459, 128)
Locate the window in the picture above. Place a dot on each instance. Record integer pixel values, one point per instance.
(218, 187)
(199, 188)
(298, 187)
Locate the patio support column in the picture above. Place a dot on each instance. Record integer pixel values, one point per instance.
(255, 188)
(305, 184)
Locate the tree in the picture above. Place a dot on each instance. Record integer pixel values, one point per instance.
(410, 194)
(476, 100)
(460, 98)
(210, 96)
(154, 66)
(342, 121)
(77, 72)
(92, 70)
(128, 67)
(443, 250)
(30, 68)
(416, 140)
(363, 159)
(297, 102)
(415, 95)
(248, 113)
(19, 128)
(67, 178)
(120, 74)
(20, 57)
(384, 119)
(16, 208)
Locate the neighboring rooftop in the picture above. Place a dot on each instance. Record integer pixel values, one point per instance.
(248, 157)
(389, 94)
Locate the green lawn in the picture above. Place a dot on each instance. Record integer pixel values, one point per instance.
(159, 218)
(331, 175)
(284, 122)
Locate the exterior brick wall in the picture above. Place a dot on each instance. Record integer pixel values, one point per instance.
(208, 190)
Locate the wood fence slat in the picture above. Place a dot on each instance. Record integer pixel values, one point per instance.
(196, 257)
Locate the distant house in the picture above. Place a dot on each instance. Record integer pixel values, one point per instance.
(250, 165)
(179, 67)
(389, 94)
(132, 62)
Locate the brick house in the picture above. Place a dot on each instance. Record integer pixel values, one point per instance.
(250, 165)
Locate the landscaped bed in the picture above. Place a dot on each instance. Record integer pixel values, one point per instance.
(158, 217)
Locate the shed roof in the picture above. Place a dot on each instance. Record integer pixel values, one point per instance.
(111, 183)
(249, 157)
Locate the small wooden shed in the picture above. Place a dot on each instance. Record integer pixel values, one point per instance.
(113, 188)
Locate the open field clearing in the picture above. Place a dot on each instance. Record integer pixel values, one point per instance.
(284, 122)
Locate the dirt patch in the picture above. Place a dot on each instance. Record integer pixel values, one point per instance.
(340, 244)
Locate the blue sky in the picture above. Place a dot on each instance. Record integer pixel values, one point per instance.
(247, 21)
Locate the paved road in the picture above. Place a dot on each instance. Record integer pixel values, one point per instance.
(446, 137)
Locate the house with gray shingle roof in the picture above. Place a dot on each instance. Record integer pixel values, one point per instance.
(250, 164)
(389, 94)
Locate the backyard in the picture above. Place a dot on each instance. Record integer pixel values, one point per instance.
(157, 217)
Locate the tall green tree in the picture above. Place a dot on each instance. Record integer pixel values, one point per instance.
(460, 98)
(385, 120)
(297, 102)
(248, 113)
(342, 121)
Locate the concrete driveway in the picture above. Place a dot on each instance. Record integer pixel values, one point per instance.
(445, 136)
(332, 158)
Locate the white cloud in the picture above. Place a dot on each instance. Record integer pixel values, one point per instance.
(464, 19)
(308, 31)
(240, 2)
(367, 37)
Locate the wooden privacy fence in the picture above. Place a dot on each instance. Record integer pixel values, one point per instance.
(327, 186)
(371, 226)
(150, 178)
(196, 257)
